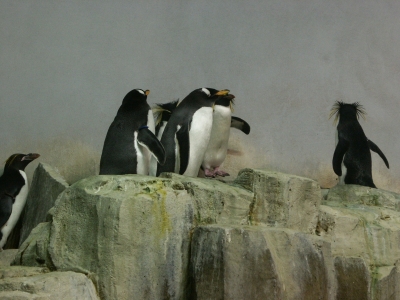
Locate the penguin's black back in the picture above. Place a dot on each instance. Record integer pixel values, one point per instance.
(119, 153)
(357, 158)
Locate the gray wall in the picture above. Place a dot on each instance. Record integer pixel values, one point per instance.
(66, 65)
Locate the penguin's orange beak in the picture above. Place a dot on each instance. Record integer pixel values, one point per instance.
(147, 92)
(222, 93)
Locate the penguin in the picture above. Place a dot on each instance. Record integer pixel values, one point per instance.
(162, 112)
(130, 140)
(188, 132)
(218, 144)
(13, 192)
(353, 147)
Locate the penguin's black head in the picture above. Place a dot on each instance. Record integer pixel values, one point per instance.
(20, 161)
(347, 111)
(136, 95)
(226, 100)
(162, 111)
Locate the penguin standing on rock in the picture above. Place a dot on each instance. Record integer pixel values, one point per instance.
(130, 140)
(188, 132)
(13, 192)
(218, 145)
(353, 147)
(162, 112)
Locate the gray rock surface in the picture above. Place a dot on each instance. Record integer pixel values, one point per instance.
(264, 236)
(132, 232)
(37, 283)
(7, 257)
(282, 200)
(46, 186)
(259, 263)
(215, 201)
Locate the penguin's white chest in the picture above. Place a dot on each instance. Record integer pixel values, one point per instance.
(143, 155)
(219, 138)
(199, 136)
(17, 208)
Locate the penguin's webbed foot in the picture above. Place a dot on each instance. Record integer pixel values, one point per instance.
(219, 172)
(209, 173)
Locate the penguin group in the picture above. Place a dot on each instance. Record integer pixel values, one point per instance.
(183, 136)
(190, 135)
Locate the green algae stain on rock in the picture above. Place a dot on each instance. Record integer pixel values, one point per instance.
(159, 211)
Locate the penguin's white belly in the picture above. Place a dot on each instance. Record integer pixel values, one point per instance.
(153, 161)
(199, 136)
(143, 155)
(218, 145)
(161, 130)
(17, 208)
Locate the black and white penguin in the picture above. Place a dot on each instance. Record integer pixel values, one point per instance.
(188, 132)
(13, 192)
(130, 140)
(218, 144)
(162, 112)
(353, 147)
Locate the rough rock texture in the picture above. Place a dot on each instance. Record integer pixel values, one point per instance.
(356, 194)
(7, 257)
(259, 263)
(214, 201)
(267, 235)
(46, 186)
(37, 283)
(282, 200)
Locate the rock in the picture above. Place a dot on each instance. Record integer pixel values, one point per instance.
(215, 202)
(46, 186)
(357, 194)
(33, 283)
(264, 236)
(353, 278)
(386, 283)
(7, 256)
(282, 200)
(133, 232)
(21, 271)
(370, 233)
(258, 263)
(34, 250)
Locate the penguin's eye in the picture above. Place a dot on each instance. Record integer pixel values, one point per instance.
(141, 91)
(206, 91)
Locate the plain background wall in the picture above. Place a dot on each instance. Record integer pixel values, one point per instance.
(65, 67)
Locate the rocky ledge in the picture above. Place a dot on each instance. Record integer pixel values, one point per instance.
(266, 235)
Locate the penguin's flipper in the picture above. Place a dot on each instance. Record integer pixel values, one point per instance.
(376, 149)
(147, 139)
(240, 124)
(340, 151)
(182, 135)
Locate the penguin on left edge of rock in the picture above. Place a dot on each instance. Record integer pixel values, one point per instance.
(13, 192)
(130, 140)
(218, 145)
(352, 152)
